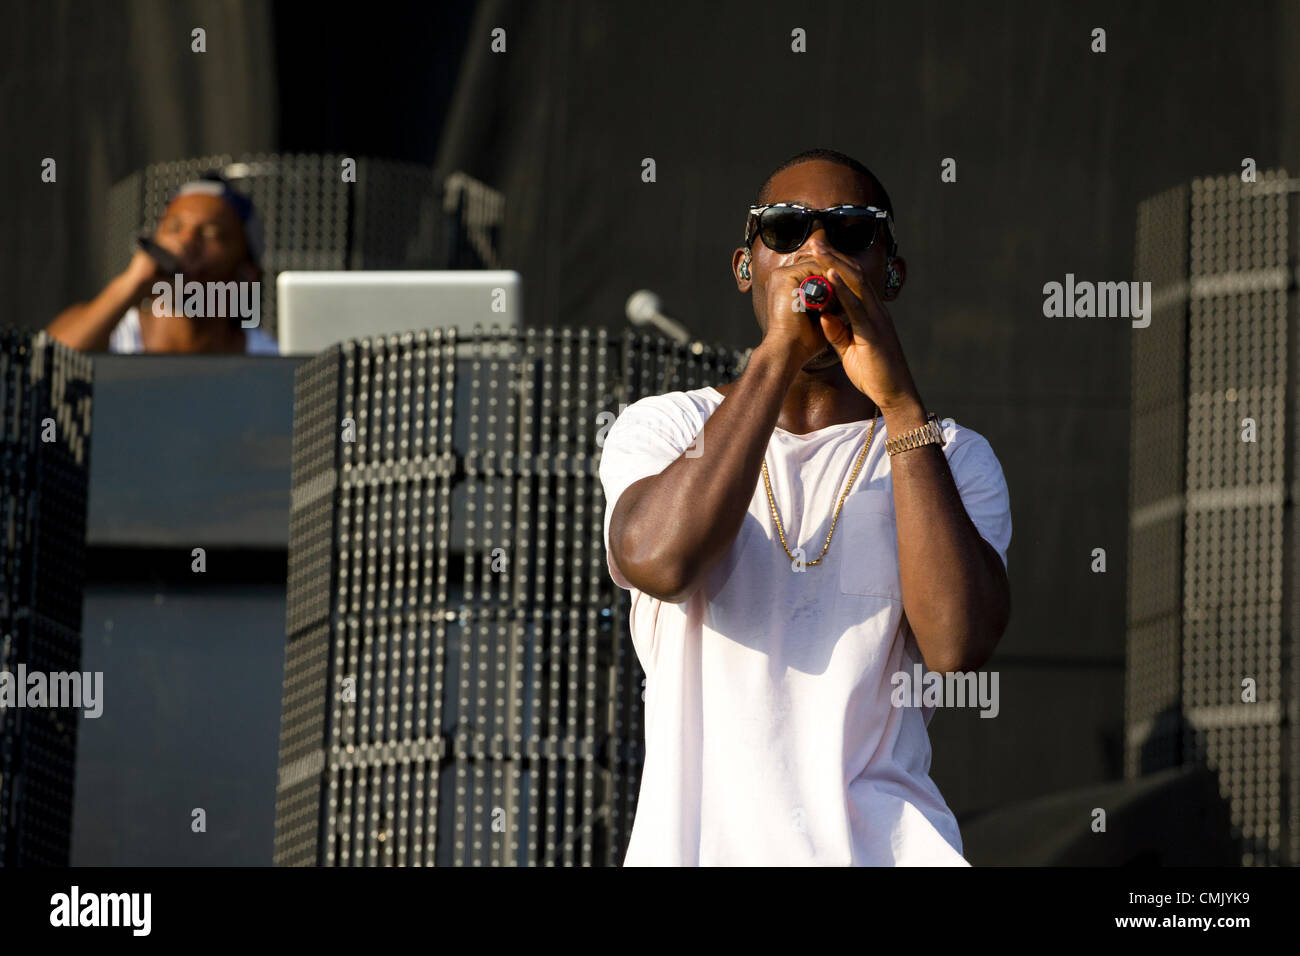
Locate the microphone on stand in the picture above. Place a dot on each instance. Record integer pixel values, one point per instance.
(644, 308)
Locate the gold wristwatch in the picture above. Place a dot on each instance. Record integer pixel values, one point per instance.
(928, 434)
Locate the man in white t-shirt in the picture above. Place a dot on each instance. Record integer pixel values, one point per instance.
(209, 234)
(800, 545)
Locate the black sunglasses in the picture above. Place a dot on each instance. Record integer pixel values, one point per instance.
(784, 227)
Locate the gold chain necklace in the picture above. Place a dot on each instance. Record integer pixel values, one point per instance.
(843, 494)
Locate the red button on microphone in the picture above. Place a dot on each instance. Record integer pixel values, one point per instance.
(815, 293)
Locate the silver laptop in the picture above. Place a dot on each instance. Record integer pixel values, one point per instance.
(317, 309)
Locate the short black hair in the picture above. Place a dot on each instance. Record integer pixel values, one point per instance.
(842, 159)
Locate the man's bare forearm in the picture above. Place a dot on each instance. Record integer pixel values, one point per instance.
(679, 523)
(955, 589)
(89, 325)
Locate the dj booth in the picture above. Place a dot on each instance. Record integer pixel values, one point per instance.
(446, 677)
(187, 452)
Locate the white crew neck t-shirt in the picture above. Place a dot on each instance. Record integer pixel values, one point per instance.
(770, 735)
(127, 338)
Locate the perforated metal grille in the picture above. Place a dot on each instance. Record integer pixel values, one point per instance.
(1222, 251)
(483, 700)
(45, 395)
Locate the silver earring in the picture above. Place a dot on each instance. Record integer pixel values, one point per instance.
(892, 279)
(744, 266)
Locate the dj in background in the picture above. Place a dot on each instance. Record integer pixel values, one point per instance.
(215, 236)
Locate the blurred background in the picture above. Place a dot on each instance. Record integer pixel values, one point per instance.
(1055, 145)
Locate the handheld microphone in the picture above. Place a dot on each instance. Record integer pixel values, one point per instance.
(815, 293)
(167, 263)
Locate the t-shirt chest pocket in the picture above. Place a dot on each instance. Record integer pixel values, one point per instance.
(869, 559)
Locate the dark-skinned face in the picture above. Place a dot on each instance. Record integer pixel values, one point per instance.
(819, 184)
(208, 238)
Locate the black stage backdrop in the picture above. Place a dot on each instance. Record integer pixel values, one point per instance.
(1055, 146)
(104, 89)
